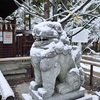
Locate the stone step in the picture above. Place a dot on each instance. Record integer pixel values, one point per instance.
(11, 77)
(6, 66)
(14, 72)
(9, 66)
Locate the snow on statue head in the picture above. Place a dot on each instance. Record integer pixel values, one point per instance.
(55, 68)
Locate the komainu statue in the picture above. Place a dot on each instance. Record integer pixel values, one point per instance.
(56, 64)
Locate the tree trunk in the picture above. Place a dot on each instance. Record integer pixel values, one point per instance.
(55, 4)
(46, 9)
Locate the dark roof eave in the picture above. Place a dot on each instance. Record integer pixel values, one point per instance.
(7, 7)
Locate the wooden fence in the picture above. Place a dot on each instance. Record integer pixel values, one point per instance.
(92, 62)
(14, 43)
(7, 38)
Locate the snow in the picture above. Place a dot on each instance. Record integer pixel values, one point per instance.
(6, 90)
(42, 91)
(74, 70)
(98, 93)
(27, 96)
(59, 46)
(36, 93)
(75, 52)
(86, 66)
(95, 57)
(19, 35)
(33, 84)
(90, 62)
(51, 45)
(89, 97)
(37, 52)
(46, 26)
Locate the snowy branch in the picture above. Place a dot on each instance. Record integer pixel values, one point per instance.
(28, 8)
(89, 45)
(83, 27)
(75, 11)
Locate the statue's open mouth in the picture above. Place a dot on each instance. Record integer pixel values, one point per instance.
(42, 39)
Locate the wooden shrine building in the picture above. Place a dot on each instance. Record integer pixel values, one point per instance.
(11, 43)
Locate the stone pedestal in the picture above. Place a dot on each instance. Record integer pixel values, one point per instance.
(69, 96)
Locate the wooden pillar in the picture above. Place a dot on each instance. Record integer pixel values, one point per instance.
(14, 37)
(91, 75)
(46, 9)
(55, 4)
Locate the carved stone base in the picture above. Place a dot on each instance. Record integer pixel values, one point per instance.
(69, 96)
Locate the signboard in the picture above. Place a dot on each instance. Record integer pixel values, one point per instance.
(82, 36)
(0, 33)
(0, 39)
(0, 36)
(7, 37)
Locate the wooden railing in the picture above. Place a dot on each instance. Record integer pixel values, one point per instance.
(92, 62)
(14, 59)
(17, 59)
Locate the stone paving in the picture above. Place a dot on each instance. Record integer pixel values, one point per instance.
(14, 67)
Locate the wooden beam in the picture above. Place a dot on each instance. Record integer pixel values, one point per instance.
(91, 58)
(14, 59)
(17, 59)
(90, 62)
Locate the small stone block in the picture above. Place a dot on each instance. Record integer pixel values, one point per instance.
(42, 92)
(35, 95)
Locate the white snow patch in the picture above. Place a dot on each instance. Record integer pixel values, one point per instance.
(6, 90)
(74, 70)
(42, 91)
(27, 96)
(36, 93)
(98, 93)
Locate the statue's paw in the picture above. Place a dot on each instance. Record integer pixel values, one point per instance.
(45, 93)
(34, 85)
(63, 88)
(37, 86)
(42, 92)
